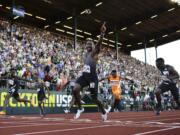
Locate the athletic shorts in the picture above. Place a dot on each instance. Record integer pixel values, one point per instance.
(41, 96)
(14, 93)
(117, 94)
(168, 85)
(89, 80)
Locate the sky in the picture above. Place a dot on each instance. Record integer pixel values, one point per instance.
(170, 52)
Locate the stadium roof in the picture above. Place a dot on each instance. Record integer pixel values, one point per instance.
(154, 21)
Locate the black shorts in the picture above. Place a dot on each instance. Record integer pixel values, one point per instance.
(14, 93)
(168, 85)
(89, 80)
(41, 96)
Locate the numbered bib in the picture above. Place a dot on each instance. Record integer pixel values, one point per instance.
(72, 84)
(166, 73)
(86, 69)
(92, 85)
(11, 90)
(38, 90)
(11, 82)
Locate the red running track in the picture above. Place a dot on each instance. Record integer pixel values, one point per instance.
(122, 123)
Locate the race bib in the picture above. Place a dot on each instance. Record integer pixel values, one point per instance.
(11, 82)
(86, 69)
(92, 85)
(166, 73)
(72, 84)
(38, 90)
(11, 90)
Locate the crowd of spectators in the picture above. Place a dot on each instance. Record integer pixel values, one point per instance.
(51, 56)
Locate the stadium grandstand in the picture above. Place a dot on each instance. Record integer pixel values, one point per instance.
(44, 56)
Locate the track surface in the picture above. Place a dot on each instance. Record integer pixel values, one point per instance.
(122, 123)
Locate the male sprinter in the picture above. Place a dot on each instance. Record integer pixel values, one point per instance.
(89, 76)
(69, 86)
(169, 79)
(41, 87)
(14, 85)
(114, 81)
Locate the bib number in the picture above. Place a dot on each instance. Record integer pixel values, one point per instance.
(11, 91)
(92, 85)
(86, 69)
(166, 73)
(72, 84)
(38, 90)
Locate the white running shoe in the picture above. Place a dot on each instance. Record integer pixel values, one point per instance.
(116, 110)
(108, 109)
(78, 114)
(67, 111)
(104, 116)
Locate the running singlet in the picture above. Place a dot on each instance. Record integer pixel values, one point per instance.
(166, 72)
(115, 85)
(89, 64)
(13, 86)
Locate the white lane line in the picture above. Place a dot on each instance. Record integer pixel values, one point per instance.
(146, 114)
(121, 118)
(155, 131)
(34, 123)
(62, 130)
(160, 117)
(39, 124)
(17, 123)
(130, 115)
(161, 120)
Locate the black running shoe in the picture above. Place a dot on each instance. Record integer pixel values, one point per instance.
(158, 110)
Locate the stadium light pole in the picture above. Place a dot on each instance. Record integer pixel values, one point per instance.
(145, 55)
(75, 31)
(11, 17)
(155, 46)
(116, 41)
